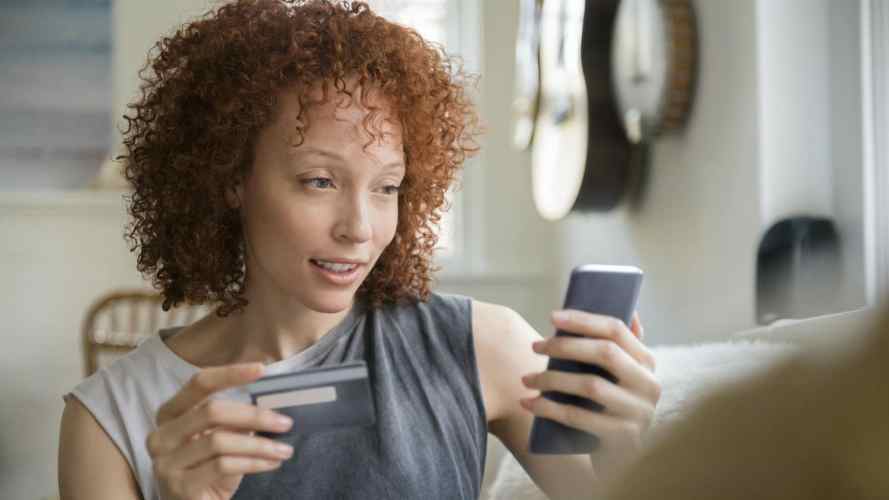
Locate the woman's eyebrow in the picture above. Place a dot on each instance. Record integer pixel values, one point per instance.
(395, 165)
(317, 151)
(311, 150)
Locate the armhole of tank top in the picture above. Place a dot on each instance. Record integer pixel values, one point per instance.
(474, 377)
(104, 420)
(471, 360)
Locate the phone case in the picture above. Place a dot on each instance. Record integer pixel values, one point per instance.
(318, 399)
(607, 290)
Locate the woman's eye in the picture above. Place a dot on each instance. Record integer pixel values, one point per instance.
(319, 182)
(392, 189)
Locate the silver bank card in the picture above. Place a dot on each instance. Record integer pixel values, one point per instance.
(318, 399)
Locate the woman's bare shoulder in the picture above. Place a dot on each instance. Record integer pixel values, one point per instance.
(84, 448)
(502, 340)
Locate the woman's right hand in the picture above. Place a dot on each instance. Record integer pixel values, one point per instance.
(202, 448)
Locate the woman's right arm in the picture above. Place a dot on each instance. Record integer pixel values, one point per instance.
(90, 464)
(200, 449)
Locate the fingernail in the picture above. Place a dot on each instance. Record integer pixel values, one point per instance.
(560, 315)
(283, 450)
(538, 345)
(283, 422)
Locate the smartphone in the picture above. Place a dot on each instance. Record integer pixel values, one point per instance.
(606, 290)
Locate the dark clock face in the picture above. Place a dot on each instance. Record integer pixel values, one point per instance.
(639, 59)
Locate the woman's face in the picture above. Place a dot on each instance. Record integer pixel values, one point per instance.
(317, 216)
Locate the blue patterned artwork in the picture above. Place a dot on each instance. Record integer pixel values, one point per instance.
(55, 92)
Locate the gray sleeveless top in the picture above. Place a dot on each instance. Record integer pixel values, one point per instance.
(429, 439)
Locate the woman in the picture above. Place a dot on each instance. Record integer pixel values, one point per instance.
(289, 162)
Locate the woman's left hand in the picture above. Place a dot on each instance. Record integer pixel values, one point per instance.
(629, 404)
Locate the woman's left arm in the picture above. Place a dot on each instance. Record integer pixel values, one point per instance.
(512, 362)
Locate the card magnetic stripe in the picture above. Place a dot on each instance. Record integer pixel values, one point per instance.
(305, 380)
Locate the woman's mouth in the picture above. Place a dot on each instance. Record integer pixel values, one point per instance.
(338, 274)
(333, 266)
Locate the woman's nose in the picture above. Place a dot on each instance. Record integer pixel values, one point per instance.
(355, 222)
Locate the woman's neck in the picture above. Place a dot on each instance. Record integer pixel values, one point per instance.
(266, 334)
(258, 333)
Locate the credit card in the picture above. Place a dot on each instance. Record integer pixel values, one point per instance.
(318, 399)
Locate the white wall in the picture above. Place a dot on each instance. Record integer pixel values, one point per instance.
(59, 252)
(848, 144)
(794, 62)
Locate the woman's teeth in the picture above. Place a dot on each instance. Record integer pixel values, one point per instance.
(331, 266)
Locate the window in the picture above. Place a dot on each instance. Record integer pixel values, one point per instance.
(428, 17)
(49, 52)
(452, 23)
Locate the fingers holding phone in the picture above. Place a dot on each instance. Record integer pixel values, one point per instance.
(599, 326)
(607, 343)
(619, 405)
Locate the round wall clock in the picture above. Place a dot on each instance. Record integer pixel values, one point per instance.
(653, 59)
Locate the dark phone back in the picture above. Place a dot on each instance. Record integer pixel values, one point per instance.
(606, 290)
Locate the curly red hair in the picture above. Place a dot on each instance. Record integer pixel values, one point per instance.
(214, 84)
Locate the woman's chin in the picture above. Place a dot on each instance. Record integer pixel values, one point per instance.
(330, 302)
